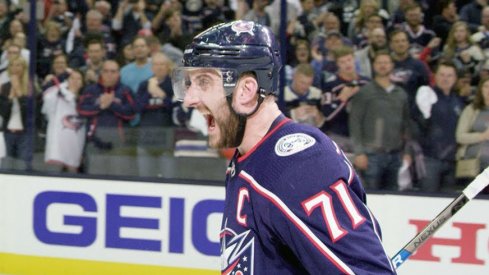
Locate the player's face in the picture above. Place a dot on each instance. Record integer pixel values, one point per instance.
(445, 77)
(205, 92)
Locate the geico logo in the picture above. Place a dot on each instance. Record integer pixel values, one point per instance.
(114, 222)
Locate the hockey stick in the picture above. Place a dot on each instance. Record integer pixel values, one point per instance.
(476, 186)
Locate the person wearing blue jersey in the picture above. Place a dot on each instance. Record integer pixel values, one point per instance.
(338, 90)
(294, 204)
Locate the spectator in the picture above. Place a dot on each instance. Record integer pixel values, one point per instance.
(5, 18)
(366, 9)
(437, 113)
(173, 31)
(464, 87)
(301, 98)
(408, 72)
(419, 35)
(308, 17)
(337, 91)
(442, 23)
(126, 55)
(15, 27)
(212, 13)
(379, 126)
(139, 70)
(95, 59)
(129, 19)
(59, 72)
(302, 55)
(363, 57)
(328, 22)
(481, 38)
(13, 51)
(106, 9)
(471, 14)
(398, 16)
(258, 14)
(323, 59)
(95, 29)
(360, 39)
(65, 137)
(154, 103)
(49, 45)
(472, 129)
(19, 39)
(154, 45)
(14, 97)
(107, 105)
(58, 12)
(461, 50)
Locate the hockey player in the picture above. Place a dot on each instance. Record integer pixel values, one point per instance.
(294, 204)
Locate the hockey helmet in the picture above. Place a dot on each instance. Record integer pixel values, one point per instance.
(232, 49)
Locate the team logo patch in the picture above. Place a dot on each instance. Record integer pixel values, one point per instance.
(240, 27)
(293, 143)
(72, 122)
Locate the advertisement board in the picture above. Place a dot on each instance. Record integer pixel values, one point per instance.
(73, 226)
(51, 225)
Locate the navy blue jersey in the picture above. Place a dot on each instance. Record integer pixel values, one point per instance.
(410, 74)
(333, 109)
(418, 40)
(155, 111)
(294, 205)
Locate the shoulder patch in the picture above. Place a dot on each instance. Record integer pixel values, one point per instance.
(293, 143)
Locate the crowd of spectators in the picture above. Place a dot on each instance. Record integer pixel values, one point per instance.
(387, 80)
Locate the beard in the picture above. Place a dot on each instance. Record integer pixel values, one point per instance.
(231, 128)
(377, 47)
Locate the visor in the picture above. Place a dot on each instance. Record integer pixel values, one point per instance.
(202, 79)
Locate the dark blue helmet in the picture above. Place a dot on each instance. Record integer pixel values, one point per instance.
(243, 46)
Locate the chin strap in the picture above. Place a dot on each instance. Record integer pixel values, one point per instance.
(244, 117)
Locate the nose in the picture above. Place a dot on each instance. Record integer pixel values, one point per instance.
(191, 98)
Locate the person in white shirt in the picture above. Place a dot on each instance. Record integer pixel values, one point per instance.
(65, 137)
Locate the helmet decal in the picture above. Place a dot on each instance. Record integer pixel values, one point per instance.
(229, 78)
(240, 27)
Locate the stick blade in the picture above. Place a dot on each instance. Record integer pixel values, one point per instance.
(477, 185)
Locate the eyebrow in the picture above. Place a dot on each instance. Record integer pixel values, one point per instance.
(205, 73)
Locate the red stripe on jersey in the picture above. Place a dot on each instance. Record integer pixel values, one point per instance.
(243, 157)
(316, 242)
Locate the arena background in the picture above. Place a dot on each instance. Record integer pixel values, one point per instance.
(98, 225)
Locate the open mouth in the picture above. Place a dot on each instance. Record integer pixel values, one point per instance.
(211, 122)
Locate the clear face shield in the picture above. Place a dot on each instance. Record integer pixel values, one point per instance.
(202, 80)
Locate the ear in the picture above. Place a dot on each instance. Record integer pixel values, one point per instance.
(246, 94)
